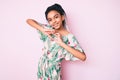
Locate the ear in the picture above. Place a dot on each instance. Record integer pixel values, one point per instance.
(63, 17)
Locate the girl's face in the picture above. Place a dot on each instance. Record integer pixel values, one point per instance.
(55, 19)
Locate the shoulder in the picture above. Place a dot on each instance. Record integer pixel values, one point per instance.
(72, 38)
(70, 35)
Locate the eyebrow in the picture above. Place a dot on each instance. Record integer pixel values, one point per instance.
(54, 15)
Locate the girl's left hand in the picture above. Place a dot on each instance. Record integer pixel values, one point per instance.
(58, 38)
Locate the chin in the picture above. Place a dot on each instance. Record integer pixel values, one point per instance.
(57, 28)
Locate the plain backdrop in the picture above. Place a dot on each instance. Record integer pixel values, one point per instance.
(95, 23)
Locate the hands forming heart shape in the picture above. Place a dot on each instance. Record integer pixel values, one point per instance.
(57, 37)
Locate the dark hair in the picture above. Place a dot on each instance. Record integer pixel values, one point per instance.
(57, 8)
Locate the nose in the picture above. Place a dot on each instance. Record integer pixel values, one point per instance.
(54, 20)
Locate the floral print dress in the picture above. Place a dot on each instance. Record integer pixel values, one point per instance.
(49, 65)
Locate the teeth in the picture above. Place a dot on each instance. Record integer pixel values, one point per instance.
(55, 25)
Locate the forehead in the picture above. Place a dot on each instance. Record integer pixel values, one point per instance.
(52, 14)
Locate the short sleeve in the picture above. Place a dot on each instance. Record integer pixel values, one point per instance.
(42, 36)
(72, 42)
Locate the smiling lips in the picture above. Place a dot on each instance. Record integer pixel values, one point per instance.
(55, 25)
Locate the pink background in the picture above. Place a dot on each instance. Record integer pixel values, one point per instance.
(95, 23)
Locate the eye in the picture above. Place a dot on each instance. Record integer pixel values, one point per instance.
(56, 16)
(49, 20)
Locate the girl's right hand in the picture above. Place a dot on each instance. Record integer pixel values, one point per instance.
(48, 32)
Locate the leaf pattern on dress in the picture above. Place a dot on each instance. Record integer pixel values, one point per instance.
(49, 65)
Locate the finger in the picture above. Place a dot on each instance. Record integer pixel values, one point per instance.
(57, 34)
(53, 31)
(50, 31)
(50, 37)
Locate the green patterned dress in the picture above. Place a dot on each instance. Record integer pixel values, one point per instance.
(49, 65)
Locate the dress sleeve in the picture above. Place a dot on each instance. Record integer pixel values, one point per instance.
(72, 42)
(42, 36)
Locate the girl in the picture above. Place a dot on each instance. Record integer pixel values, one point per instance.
(59, 44)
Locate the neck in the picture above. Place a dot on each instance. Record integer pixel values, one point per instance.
(62, 31)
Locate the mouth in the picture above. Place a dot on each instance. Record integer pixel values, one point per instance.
(55, 25)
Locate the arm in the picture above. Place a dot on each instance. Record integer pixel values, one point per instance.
(75, 52)
(35, 24)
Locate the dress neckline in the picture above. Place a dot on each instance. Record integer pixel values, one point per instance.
(67, 34)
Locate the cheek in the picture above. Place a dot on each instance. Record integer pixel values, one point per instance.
(50, 23)
(59, 20)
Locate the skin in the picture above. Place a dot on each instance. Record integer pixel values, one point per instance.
(55, 20)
